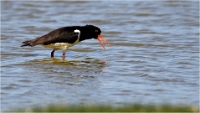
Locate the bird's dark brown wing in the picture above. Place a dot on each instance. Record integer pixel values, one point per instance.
(68, 37)
(65, 34)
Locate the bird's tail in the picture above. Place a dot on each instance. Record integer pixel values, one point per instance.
(27, 43)
(33, 42)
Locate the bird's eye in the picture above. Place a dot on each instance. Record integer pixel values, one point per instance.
(96, 31)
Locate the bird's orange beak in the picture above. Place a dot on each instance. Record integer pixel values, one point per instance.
(101, 37)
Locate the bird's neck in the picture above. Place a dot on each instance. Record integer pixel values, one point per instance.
(82, 37)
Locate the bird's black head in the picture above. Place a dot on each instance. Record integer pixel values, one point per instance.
(91, 31)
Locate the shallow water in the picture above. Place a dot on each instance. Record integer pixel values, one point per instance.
(154, 55)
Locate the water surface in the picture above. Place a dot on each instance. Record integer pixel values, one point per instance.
(154, 55)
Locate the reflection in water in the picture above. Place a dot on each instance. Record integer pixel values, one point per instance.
(62, 65)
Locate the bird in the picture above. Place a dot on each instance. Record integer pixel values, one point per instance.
(65, 37)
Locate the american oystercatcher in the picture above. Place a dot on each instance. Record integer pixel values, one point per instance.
(65, 37)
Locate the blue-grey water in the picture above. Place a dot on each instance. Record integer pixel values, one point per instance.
(154, 57)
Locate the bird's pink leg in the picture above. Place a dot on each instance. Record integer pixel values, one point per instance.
(52, 53)
(63, 56)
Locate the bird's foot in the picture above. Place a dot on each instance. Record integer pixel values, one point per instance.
(63, 56)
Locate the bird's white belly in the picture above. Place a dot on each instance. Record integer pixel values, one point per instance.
(61, 45)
